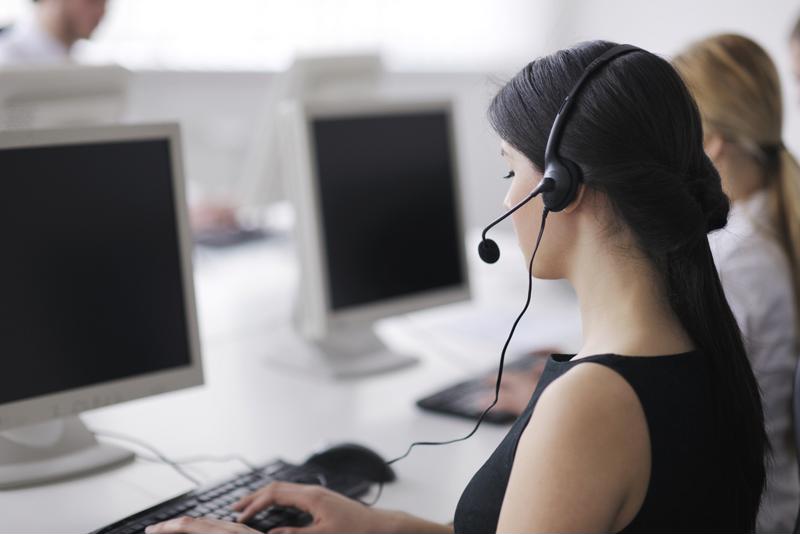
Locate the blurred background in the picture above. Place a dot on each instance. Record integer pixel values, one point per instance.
(215, 66)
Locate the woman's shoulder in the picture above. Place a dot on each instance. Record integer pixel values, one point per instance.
(589, 381)
(608, 391)
(756, 250)
(589, 397)
(589, 423)
(748, 244)
(756, 276)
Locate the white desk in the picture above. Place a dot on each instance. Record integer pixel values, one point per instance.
(263, 412)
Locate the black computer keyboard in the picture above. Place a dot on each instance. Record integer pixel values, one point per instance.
(468, 399)
(215, 501)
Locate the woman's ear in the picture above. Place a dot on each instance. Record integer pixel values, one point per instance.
(578, 199)
(714, 145)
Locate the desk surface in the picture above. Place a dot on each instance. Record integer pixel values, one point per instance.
(262, 412)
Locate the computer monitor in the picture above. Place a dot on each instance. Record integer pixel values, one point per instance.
(379, 226)
(310, 76)
(97, 292)
(55, 96)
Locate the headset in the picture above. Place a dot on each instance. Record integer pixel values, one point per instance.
(558, 187)
(562, 176)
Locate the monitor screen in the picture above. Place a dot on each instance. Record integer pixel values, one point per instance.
(387, 198)
(91, 278)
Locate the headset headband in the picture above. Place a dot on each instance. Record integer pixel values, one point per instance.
(566, 105)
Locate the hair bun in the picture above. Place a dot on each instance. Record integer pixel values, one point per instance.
(706, 189)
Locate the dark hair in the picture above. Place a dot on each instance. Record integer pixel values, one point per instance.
(636, 134)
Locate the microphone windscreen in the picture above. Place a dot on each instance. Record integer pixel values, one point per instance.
(488, 251)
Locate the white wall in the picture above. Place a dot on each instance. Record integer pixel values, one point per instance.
(462, 44)
(265, 34)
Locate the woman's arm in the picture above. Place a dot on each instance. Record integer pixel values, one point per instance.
(332, 512)
(583, 462)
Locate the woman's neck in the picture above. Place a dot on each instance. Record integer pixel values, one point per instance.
(623, 305)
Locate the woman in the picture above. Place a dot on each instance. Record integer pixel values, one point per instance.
(656, 423)
(738, 91)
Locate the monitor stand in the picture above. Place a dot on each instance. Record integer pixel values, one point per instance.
(55, 450)
(350, 352)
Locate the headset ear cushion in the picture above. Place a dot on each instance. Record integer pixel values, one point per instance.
(567, 176)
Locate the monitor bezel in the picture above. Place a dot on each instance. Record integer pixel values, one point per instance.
(34, 82)
(34, 87)
(316, 294)
(74, 401)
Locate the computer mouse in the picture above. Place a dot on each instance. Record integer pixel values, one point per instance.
(355, 459)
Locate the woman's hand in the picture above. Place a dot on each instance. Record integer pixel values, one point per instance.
(331, 511)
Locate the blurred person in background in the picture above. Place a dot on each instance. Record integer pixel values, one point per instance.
(49, 32)
(738, 91)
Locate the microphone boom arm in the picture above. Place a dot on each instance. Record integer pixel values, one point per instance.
(547, 184)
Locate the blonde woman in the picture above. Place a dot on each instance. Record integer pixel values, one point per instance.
(737, 89)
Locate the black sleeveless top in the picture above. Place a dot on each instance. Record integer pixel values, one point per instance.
(688, 489)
